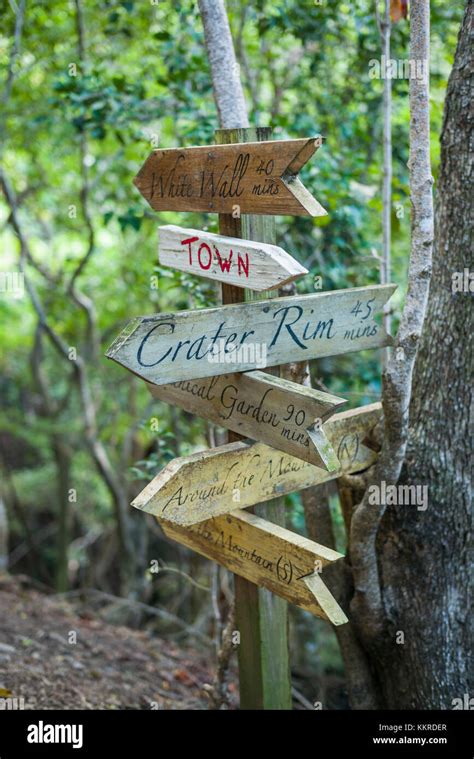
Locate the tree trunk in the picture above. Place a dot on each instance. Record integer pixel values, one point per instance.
(367, 609)
(225, 71)
(421, 660)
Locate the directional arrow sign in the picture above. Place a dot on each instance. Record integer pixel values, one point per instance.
(262, 407)
(268, 555)
(244, 263)
(251, 177)
(194, 488)
(188, 344)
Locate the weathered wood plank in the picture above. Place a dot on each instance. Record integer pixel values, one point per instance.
(268, 555)
(242, 178)
(193, 488)
(184, 345)
(259, 406)
(244, 263)
(261, 617)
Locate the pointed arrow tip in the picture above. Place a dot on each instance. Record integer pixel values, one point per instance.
(325, 599)
(328, 456)
(125, 334)
(309, 205)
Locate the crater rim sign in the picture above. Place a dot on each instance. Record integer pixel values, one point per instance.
(166, 348)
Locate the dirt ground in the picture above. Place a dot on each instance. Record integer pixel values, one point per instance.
(108, 667)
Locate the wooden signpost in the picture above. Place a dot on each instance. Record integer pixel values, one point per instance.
(255, 178)
(193, 488)
(172, 347)
(262, 617)
(243, 263)
(267, 555)
(262, 407)
(200, 500)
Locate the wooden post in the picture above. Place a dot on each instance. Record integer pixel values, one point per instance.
(261, 616)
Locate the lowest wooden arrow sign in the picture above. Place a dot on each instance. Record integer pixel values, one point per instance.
(168, 348)
(193, 488)
(244, 263)
(251, 177)
(262, 407)
(268, 555)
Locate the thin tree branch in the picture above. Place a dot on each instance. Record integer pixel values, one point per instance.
(226, 84)
(19, 19)
(217, 692)
(82, 300)
(97, 450)
(397, 378)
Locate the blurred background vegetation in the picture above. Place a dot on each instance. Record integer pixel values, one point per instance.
(88, 90)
